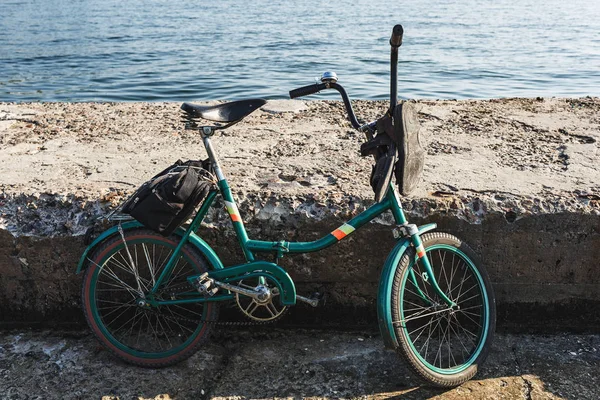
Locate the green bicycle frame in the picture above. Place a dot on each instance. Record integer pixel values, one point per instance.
(251, 247)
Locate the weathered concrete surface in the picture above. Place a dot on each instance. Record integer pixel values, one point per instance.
(518, 179)
(291, 364)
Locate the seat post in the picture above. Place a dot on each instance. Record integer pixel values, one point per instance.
(206, 134)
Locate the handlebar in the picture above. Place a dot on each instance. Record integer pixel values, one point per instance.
(395, 43)
(317, 87)
(307, 90)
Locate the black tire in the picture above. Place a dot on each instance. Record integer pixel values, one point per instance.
(166, 335)
(422, 319)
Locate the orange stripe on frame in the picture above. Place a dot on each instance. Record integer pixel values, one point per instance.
(339, 235)
(235, 218)
(421, 254)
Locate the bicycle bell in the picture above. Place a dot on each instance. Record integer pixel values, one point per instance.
(329, 77)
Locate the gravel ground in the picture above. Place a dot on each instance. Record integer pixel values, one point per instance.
(260, 364)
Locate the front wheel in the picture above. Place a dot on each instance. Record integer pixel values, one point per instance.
(443, 345)
(117, 300)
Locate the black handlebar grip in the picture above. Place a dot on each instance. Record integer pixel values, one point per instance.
(396, 39)
(306, 90)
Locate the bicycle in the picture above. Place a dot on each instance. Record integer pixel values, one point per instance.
(152, 300)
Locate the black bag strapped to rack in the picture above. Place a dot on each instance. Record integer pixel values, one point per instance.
(397, 149)
(168, 199)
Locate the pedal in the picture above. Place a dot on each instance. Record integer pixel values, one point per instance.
(206, 286)
(315, 300)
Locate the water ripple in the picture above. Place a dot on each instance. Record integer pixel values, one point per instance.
(140, 50)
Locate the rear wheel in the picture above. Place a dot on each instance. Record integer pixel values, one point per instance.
(443, 345)
(116, 299)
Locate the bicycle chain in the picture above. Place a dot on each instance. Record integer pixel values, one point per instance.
(217, 322)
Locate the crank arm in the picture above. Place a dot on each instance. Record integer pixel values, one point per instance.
(312, 302)
(236, 289)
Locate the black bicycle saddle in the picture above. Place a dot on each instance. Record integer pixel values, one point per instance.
(226, 112)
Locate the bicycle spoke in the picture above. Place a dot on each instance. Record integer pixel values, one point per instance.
(422, 331)
(134, 293)
(431, 261)
(162, 327)
(413, 304)
(154, 334)
(115, 308)
(119, 265)
(452, 272)
(450, 354)
(132, 264)
(412, 318)
(442, 267)
(115, 318)
(467, 291)
(113, 276)
(124, 323)
(164, 262)
(181, 317)
(462, 281)
(471, 307)
(426, 344)
(175, 276)
(176, 320)
(476, 323)
(470, 334)
(441, 345)
(173, 273)
(125, 309)
(188, 310)
(133, 323)
(470, 313)
(419, 328)
(149, 262)
(471, 298)
(458, 337)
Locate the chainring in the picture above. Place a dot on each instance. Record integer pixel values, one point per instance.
(267, 309)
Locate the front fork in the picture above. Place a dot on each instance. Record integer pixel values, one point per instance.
(406, 230)
(418, 243)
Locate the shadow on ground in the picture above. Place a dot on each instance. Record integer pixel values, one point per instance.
(290, 363)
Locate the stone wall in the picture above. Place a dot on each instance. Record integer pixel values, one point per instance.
(517, 179)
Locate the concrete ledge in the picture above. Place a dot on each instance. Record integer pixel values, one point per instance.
(517, 179)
